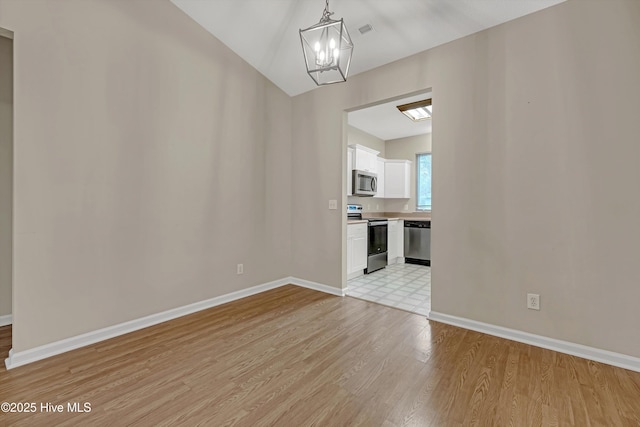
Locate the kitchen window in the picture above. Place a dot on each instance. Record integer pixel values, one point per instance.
(423, 184)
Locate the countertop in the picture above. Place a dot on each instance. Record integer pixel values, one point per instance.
(413, 218)
(391, 216)
(405, 218)
(409, 216)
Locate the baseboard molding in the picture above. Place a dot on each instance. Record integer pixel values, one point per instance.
(586, 352)
(16, 359)
(317, 286)
(5, 320)
(355, 274)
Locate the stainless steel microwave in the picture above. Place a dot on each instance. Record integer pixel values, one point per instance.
(364, 183)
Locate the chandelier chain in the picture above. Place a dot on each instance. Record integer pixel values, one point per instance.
(326, 15)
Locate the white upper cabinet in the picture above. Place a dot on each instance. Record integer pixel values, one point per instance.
(366, 159)
(381, 172)
(397, 179)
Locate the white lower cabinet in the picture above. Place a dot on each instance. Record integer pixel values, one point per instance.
(392, 242)
(356, 249)
(400, 240)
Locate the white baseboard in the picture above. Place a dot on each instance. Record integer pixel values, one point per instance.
(20, 358)
(586, 352)
(317, 286)
(5, 320)
(355, 274)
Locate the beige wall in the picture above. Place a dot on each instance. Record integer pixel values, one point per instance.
(407, 148)
(356, 136)
(532, 190)
(149, 161)
(6, 164)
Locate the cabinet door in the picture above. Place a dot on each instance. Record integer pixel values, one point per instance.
(365, 161)
(397, 179)
(401, 239)
(392, 241)
(372, 161)
(380, 191)
(360, 162)
(359, 252)
(356, 247)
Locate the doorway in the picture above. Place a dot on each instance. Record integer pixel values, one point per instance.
(386, 138)
(6, 190)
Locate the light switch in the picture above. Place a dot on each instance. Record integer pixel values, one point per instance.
(333, 204)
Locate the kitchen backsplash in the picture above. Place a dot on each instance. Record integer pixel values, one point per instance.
(369, 204)
(422, 214)
(373, 205)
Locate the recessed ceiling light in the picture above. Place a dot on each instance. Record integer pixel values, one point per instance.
(417, 111)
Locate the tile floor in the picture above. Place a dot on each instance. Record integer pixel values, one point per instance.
(404, 286)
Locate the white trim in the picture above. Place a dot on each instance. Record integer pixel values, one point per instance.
(6, 320)
(6, 33)
(355, 274)
(604, 356)
(317, 286)
(363, 148)
(20, 358)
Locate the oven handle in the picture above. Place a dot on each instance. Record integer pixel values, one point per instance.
(378, 223)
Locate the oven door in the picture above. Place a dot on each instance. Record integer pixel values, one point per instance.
(377, 237)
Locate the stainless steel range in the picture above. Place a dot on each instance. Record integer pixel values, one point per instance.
(376, 239)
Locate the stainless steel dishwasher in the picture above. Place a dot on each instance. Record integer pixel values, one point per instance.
(417, 242)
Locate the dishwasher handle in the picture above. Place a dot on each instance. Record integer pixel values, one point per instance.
(417, 224)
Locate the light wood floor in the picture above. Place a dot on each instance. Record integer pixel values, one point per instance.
(296, 357)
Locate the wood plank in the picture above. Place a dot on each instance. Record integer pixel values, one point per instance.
(293, 356)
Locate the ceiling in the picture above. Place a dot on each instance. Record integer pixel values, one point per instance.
(386, 122)
(265, 32)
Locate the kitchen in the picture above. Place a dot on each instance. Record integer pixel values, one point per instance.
(389, 203)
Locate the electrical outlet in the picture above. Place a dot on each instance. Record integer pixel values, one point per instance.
(406, 207)
(333, 204)
(533, 301)
(240, 268)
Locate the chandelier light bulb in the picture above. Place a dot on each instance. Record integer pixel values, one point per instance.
(332, 44)
(317, 47)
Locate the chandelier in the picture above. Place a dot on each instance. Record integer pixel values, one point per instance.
(327, 49)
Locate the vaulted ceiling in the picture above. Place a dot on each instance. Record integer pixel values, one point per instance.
(265, 32)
